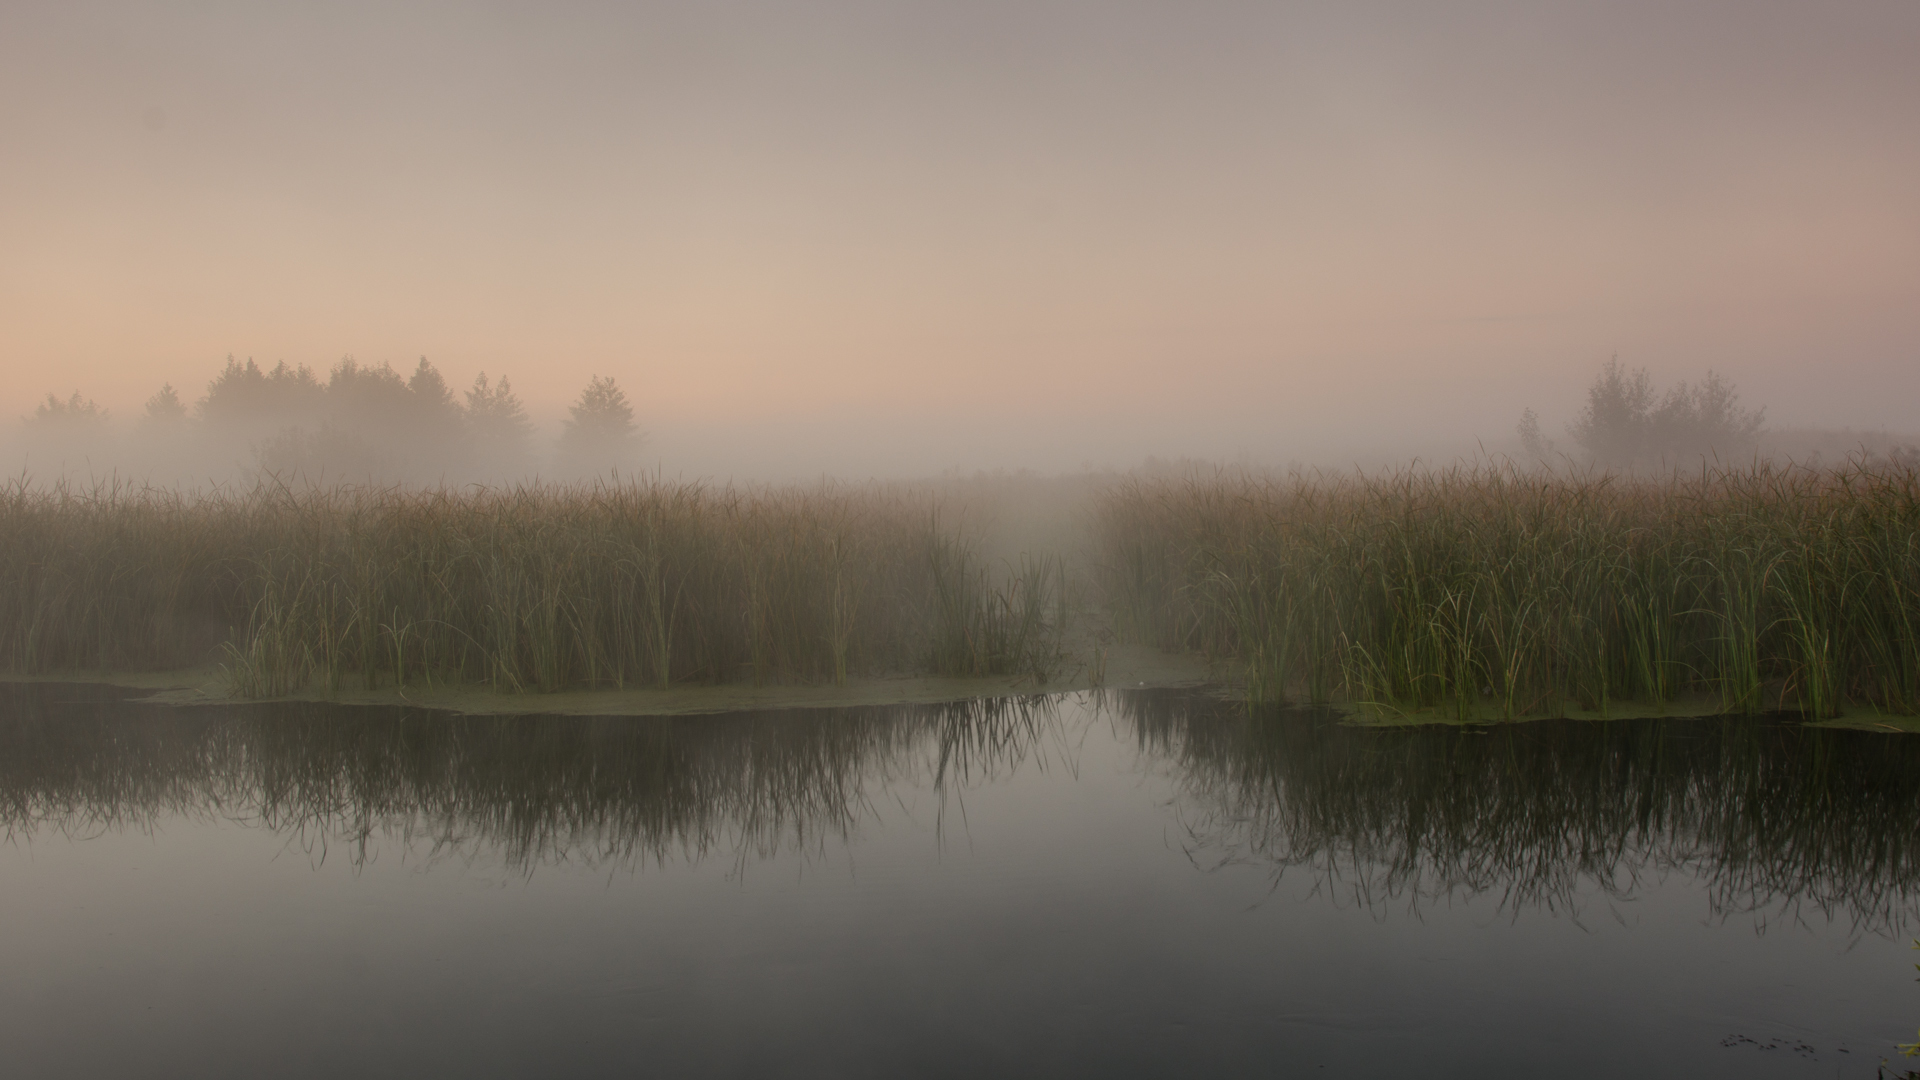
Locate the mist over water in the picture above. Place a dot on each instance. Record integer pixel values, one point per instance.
(1312, 468)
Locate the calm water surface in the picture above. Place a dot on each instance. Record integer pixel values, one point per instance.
(1144, 884)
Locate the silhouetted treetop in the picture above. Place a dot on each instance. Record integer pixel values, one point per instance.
(1537, 446)
(360, 422)
(375, 397)
(73, 410)
(244, 394)
(1626, 421)
(602, 411)
(370, 394)
(599, 431)
(494, 412)
(165, 406)
(1613, 424)
(430, 390)
(1700, 418)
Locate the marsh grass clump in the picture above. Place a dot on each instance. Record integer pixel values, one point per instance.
(119, 577)
(538, 587)
(1505, 592)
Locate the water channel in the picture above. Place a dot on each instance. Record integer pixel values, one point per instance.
(1148, 883)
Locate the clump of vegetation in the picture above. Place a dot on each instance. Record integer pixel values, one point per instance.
(1475, 592)
(1625, 422)
(363, 420)
(355, 422)
(529, 588)
(500, 432)
(599, 428)
(1512, 592)
(73, 411)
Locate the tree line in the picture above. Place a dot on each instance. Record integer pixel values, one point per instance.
(1626, 422)
(368, 421)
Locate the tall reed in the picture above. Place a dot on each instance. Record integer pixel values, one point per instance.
(1493, 589)
(529, 588)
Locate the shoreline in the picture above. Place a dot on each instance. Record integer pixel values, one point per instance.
(1127, 667)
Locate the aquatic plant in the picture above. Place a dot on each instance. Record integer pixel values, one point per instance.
(537, 587)
(1494, 590)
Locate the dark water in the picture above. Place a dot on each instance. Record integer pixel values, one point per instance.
(1140, 885)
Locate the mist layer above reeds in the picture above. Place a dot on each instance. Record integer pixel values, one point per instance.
(1773, 819)
(1497, 591)
(529, 588)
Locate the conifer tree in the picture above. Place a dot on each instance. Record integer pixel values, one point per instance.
(73, 411)
(495, 415)
(165, 405)
(599, 432)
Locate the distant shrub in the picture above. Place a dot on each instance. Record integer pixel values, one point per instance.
(1626, 422)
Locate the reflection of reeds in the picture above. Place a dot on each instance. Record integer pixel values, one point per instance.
(530, 588)
(1502, 591)
(528, 790)
(1773, 817)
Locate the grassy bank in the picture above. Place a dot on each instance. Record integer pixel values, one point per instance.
(1495, 592)
(530, 588)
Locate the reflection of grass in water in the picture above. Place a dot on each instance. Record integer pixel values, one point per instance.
(535, 790)
(1771, 817)
(533, 588)
(1502, 592)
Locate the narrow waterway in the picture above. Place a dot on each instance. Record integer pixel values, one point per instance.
(1132, 884)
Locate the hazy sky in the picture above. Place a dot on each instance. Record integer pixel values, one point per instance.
(913, 235)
